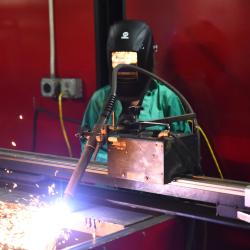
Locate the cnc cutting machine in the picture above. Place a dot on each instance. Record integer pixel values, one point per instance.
(148, 180)
(113, 211)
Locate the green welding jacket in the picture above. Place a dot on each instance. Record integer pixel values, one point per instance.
(158, 102)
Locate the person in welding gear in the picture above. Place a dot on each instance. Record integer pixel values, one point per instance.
(131, 42)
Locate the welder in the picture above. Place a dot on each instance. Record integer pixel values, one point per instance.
(131, 42)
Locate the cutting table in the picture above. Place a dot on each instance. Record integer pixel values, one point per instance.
(114, 212)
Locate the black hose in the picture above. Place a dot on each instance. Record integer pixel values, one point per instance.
(152, 75)
(178, 93)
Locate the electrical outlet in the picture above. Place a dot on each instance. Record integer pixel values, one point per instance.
(50, 87)
(71, 87)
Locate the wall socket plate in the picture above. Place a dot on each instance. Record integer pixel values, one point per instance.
(50, 87)
(70, 87)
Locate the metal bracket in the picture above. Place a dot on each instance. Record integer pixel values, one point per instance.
(226, 211)
(247, 196)
(243, 216)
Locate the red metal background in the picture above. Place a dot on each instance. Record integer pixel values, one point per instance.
(24, 60)
(167, 235)
(204, 50)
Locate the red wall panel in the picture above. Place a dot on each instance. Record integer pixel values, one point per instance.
(166, 235)
(24, 60)
(204, 51)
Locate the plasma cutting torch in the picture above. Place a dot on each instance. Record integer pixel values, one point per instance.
(92, 141)
(91, 144)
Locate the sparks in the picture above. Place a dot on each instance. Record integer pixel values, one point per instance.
(51, 189)
(31, 227)
(56, 172)
(8, 171)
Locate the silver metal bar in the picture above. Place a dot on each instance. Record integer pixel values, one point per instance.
(243, 216)
(247, 196)
(212, 184)
(52, 37)
(198, 188)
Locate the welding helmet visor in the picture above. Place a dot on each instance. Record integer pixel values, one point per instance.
(130, 42)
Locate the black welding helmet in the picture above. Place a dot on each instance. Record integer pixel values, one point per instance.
(130, 42)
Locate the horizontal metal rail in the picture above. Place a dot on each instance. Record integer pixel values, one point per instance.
(221, 193)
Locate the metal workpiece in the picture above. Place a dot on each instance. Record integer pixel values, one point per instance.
(136, 231)
(93, 225)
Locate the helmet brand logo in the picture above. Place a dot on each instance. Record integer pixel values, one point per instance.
(125, 35)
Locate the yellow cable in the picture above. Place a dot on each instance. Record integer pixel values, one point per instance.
(62, 124)
(211, 150)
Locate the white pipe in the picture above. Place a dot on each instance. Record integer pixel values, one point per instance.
(52, 38)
